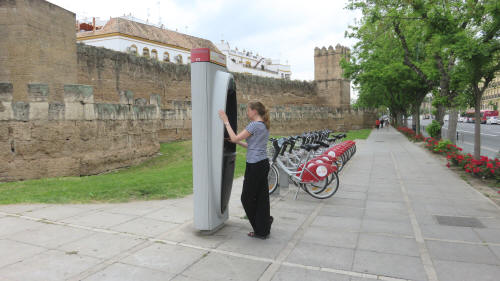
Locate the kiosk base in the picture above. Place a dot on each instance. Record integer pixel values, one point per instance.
(210, 232)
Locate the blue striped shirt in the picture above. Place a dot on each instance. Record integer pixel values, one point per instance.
(257, 141)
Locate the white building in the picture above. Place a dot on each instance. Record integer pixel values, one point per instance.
(247, 62)
(127, 34)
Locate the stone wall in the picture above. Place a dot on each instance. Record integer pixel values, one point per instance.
(40, 138)
(295, 106)
(111, 72)
(37, 44)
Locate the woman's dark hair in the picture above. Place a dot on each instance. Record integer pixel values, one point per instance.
(262, 111)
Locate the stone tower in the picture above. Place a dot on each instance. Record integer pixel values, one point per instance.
(334, 89)
(37, 45)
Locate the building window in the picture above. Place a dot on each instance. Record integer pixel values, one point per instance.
(166, 57)
(154, 54)
(282, 75)
(145, 52)
(178, 59)
(132, 50)
(247, 64)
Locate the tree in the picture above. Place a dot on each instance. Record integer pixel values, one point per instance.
(377, 68)
(460, 40)
(479, 54)
(427, 27)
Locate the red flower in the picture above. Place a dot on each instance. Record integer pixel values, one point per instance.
(489, 165)
(492, 171)
(448, 164)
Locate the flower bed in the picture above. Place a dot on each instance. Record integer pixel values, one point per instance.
(485, 168)
(410, 134)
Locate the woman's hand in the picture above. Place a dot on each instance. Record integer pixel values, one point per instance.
(223, 116)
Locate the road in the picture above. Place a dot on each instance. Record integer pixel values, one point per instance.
(490, 137)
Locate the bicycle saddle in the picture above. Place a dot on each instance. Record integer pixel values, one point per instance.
(310, 146)
(322, 144)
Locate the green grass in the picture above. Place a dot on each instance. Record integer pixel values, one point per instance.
(358, 134)
(169, 175)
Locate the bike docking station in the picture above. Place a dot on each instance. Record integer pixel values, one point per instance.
(212, 89)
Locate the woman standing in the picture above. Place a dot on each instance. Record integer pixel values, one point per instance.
(255, 194)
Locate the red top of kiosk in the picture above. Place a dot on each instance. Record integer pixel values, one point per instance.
(206, 55)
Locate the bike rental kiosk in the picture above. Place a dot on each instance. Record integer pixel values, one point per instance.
(212, 89)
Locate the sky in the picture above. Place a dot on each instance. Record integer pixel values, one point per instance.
(288, 30)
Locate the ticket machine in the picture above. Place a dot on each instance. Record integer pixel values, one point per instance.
(212, 89)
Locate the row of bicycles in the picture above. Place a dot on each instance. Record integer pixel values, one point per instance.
(312, 161)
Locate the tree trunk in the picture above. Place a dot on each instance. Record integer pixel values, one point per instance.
(439, 118)
(477, 126)
(417, 120)
(452, 125)
(414, 118)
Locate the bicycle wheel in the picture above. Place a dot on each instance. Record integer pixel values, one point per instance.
(272, 179)
(340, 163)
(331, 185)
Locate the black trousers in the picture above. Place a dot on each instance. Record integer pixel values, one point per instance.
(255, 196)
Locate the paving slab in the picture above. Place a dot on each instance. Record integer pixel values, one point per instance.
(145, 227)
(101, 245)
(20, 208)
(461, 271)
(50, 235)
(489, 235)
(288, 273)
(391, 265)
(13, 251)
(388, 244)
(126, 272)
(269, 248)
(344, 223)
(450, 233)
(11, 225)
(386, 226)
(169, 258)
(99, 219)
(50, 265)
(329, 237)
(320, 255)
(342, 211)
(187, 234)
(461, 252)
(55, 212)
(233, 268)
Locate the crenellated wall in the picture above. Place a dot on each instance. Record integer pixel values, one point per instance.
(40, 138)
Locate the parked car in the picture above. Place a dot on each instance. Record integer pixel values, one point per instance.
(492, 120)
(461, 119)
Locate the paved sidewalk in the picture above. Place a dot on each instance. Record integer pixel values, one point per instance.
(399, 215)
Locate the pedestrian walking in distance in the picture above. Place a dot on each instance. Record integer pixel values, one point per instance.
(377, 123)
(255, 194)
